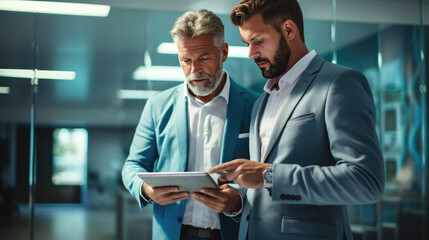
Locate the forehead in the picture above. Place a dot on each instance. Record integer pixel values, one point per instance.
(255, 27)
(203, 43)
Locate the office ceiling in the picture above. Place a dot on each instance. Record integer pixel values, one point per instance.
(104, 53)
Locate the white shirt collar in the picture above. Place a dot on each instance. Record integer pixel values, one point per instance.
(290, 76)
(224, 93)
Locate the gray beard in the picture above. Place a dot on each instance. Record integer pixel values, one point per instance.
(206, 89)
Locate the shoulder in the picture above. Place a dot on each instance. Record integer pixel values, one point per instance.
(344, 80)
(166, 95)
(339, 70)
(160, 102)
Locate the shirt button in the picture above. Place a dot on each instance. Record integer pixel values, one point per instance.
(179, 219)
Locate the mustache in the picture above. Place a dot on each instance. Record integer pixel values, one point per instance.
(198, 76)
(260, 59)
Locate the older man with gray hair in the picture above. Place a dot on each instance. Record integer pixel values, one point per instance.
(192, 127)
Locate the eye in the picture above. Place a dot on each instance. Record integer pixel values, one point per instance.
(204, 60)
(186, 60)
(259, 42)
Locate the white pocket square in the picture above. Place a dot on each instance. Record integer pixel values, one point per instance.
(243, 135)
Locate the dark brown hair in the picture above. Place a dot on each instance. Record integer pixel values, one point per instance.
(273, 12)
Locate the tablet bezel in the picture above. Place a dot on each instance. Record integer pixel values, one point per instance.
(186, 181)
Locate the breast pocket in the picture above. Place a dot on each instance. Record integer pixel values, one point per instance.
(301, 119)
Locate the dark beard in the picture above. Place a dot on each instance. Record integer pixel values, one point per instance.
(281, 60)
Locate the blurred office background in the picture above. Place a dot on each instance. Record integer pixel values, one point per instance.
(65, 136)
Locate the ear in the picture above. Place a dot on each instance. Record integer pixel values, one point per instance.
(224, 52)
(289, 29)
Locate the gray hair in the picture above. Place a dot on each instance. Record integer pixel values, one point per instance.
(196, 23)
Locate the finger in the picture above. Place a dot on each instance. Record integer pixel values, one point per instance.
(211, 192)
(232, 176)
(223, 180)
(225, 167)
(207, 200)
(216, 204)
(173, 198)
(166, 196)
(166, 190)
(172, 194)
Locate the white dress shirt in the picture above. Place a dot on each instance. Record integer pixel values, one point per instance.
(277, 98)
(206, 127)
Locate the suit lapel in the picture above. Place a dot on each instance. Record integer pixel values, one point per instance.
(181, 116)
(234, 115)
(255, 142)
(292, 101)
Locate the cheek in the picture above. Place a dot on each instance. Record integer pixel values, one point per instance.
(211, 69)
(186, 69)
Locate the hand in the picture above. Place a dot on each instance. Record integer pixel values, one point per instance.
(225, 199)
(163, 195)
(246, 173)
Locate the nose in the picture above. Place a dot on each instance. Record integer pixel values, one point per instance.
(196, 67)
(253, 53)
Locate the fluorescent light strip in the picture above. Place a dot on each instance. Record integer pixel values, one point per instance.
(135, 94)
(238, 52)
(167, 48)
(4, 90)
(159, 73)
(80, 9)
(39, 74)
(234, 51)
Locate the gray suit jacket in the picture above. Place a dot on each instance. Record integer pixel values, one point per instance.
(325, 154)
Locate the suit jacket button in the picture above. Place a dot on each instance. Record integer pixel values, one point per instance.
(179, 219)
(283, 197)
(298, 198)
(248, 218)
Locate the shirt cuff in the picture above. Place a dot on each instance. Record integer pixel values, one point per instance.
(143, 197)
(238, 212)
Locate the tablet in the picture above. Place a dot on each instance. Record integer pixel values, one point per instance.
(187, 181)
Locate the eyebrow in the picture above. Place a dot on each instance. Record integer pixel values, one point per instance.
(251, 39)
(201, 55)
(204, 54)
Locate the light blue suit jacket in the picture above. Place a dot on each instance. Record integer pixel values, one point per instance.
(160, 144)
(325, 155)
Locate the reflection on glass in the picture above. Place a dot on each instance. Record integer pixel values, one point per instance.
(390, 59)
(70, 156)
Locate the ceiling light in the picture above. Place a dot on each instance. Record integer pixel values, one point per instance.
(39, 74)
(135, 94)
(159, 73)
(4, 90)
(238, 52)
(167, 48)
(234, 51)
(81, 9)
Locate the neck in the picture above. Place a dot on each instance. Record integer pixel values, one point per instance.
(296, 55)
(299, 53)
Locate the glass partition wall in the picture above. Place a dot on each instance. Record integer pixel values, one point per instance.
(74, 130)
(391, 53)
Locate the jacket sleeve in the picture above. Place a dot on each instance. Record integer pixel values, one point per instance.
(143, 153)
